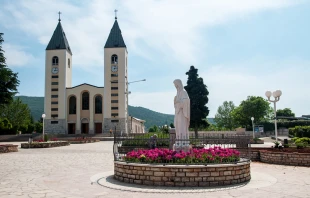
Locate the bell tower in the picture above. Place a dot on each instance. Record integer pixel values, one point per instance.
(58, 70)
(115, 82)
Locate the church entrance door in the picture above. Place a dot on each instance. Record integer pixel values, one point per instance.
(85, 128)
(71, 128)
(98, 127)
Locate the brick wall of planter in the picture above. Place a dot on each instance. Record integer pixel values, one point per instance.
(285, 158)
(45, 144)
(8, 148)
(182, 175)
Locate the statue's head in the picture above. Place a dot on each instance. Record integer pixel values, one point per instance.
(178, 84)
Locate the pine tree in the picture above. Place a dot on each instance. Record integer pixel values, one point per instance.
(8, 79)
(198, 94)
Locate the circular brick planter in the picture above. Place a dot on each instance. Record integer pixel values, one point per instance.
(182, 175)
(285, 158)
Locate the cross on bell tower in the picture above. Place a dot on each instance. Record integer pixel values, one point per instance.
(59, 13)
(115, 13)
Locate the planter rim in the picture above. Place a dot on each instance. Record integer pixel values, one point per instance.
(182, 166)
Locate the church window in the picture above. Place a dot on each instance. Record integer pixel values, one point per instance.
(54, 83)
(114, 101)
(55, 60)
(54, 115)
(114, 88)
(68, 63)
(114, 114)
(114, 59)
(55, 76)
(54, 109)
(54, 96)
(56, 89)
(114, 108)
(98, 105)
(72, 105)
(114, 120)
(54, 122)
(85, 101)
(114, 94)
(114, 75)
(54, 102)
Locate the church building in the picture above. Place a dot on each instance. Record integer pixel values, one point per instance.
(86, 108)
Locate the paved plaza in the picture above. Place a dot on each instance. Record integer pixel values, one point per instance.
(69, 172)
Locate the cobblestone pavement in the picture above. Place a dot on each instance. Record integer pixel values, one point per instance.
(67, 172)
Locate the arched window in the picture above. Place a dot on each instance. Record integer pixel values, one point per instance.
(98, 105)
(68, 63)
(55, 60)
(72, 105)
(85, 101)
(114, 59)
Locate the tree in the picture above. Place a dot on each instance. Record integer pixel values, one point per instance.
(253, 106)
(8, 79)
(223, 117)
(18, 114)
(171, 125)
(198, 94)
(287, 112)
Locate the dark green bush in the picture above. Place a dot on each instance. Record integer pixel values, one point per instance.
(300, 131)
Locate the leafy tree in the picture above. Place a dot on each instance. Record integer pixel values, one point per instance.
(287, 112)
(253, 106)
(172, 125)
(223, 117)
(198, 94)
(8, 79)
(18, 114)
(5, 124)
(151, 129)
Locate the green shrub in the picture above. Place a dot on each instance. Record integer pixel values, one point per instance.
(300, 131)
(304, 140)
(301, 145)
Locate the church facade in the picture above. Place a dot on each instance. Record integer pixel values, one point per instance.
(86, 108)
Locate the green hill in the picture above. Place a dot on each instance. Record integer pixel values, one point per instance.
(36, 105)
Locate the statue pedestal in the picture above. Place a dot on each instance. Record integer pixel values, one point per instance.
(182, 146)
(172, 137)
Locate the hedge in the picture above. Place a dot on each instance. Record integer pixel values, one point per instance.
(269, 126)
(300, 131)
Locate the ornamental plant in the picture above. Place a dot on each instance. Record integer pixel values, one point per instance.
(210, 155)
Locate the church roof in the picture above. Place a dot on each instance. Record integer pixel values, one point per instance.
(115, 38)
(59, 40)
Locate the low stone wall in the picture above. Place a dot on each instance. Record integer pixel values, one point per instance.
(44, 144)
(285, 158)
(182, 175)
(83, 141)
(6, 148)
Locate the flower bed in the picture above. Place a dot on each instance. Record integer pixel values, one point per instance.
(197, 156)
(286, 157)
(49, 144)
(6, 148)
(182, 175)
(81, 140)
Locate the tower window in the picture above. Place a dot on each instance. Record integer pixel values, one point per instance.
(114, 108)
(55, 76)
(72, 105)
(114, 75)
(54, 96)
(85, 101)
(54, 83)
(55, 60)
(114, 114)
(98, 105)
(54, 102)
(114, 94)
(114, 88)
(68, 63)
(114, 101)
(114, 59)
(54, 109)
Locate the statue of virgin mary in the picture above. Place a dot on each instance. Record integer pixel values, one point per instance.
(182, 116)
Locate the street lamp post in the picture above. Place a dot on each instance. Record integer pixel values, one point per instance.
(252, 118)
(276, 95)
(43, 116)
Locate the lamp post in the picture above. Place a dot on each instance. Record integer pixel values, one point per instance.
(276, 95)
(43, 116)
(252, 118)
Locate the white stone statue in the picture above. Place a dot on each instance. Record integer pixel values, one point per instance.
(182, 116)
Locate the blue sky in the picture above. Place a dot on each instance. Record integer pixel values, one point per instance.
(240, 47)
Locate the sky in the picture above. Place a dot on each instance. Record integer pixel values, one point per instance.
(241, 48)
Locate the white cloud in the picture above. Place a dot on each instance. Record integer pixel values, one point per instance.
(171, 28)
(16, 56)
